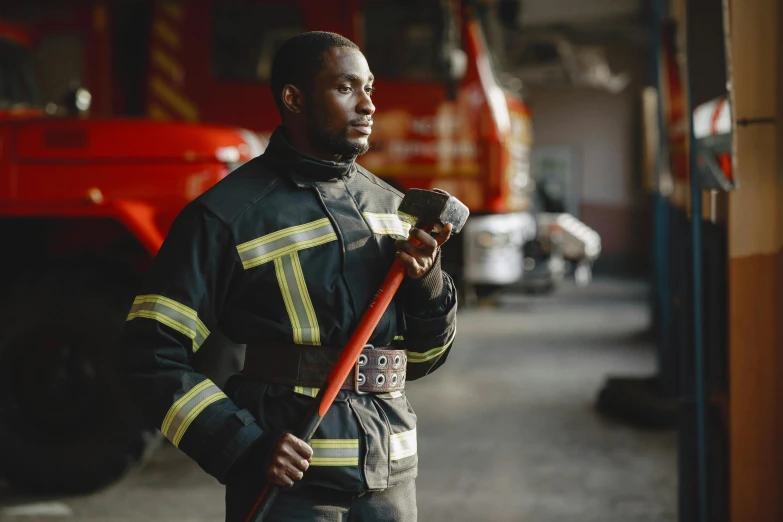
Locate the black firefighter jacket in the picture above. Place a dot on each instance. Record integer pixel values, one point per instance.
(286, 249)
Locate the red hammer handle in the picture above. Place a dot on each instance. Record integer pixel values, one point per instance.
(340, 371)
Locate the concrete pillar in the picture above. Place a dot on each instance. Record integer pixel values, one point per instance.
(756, 263)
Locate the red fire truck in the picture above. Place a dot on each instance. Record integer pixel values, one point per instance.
(84, 206)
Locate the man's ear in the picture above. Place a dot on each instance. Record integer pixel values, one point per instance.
(292, 98)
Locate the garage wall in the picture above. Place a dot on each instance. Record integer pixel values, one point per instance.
(756, 264)
(603, 131)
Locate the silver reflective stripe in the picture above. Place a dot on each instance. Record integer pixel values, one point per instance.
(183, 412)
(335, 452)
(171, 313)
(403, 445)
(297, 300)
(283, 242)
(388, 224)
(390, 395)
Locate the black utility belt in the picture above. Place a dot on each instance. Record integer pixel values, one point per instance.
(378, 370)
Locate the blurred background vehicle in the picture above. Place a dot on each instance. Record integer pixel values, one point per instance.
(85, 207)
(563, 245)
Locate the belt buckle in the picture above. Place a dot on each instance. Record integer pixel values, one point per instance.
(358, 378)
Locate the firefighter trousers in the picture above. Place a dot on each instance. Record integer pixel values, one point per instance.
(319, 504)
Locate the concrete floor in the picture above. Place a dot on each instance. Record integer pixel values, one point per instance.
(507, 430)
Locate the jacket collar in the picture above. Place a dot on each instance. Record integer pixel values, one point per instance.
(301, 168)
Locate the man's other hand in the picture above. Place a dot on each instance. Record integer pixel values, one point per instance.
(290, 459)
(418, 259)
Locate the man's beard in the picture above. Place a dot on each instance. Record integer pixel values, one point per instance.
(336, 142)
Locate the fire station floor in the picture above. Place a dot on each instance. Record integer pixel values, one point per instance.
(507, 428)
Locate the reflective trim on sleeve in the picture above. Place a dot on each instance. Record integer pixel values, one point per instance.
(171, 313)
(297, 300)
(402, 445)
(304, 390)
(183, 412)
(420, 357)
(286, 241)
(335, 452)
(387, 224)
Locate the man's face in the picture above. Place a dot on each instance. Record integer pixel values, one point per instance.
(339, 110)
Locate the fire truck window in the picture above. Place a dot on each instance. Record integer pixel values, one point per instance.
(59, 62)
(17, 84)
(402, 41)
(246, 36)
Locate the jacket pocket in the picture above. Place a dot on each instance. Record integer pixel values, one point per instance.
(403, 443)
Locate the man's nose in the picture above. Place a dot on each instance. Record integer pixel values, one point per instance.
(365, 105)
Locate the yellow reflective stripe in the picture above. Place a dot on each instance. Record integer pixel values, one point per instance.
(398, 338)
(185, 410)
(162, 318)
(244, 247)
(286, 241)
(184, 310)
(288, 300)
(420, 357)
(214, 397)
(402, 445)
(167, 64)
(297, 300)
(315, 331)
(181, 401)
(181, 105)
(304, 390)
(172, 314)
(335, 452)
(260, 260)
(334, 461)
(166, 33)
(389, 224)
(415, 357)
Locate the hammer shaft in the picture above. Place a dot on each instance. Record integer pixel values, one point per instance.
(340, 371)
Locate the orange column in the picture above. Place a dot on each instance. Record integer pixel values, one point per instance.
(756, 263)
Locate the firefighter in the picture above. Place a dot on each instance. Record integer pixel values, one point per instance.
(284, 255)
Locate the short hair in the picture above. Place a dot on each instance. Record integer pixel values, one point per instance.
(300, 58)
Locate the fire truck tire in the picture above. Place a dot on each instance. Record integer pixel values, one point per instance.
(66, 423)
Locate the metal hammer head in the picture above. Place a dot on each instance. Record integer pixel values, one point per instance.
(432, 207)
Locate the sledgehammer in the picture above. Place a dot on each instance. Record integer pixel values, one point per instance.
(423, 209)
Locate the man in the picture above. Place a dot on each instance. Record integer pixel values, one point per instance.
(284, 255)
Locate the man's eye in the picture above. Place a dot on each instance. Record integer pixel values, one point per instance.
(370, 91)
(344, 89)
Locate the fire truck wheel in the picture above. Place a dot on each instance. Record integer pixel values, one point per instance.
(66, 423)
